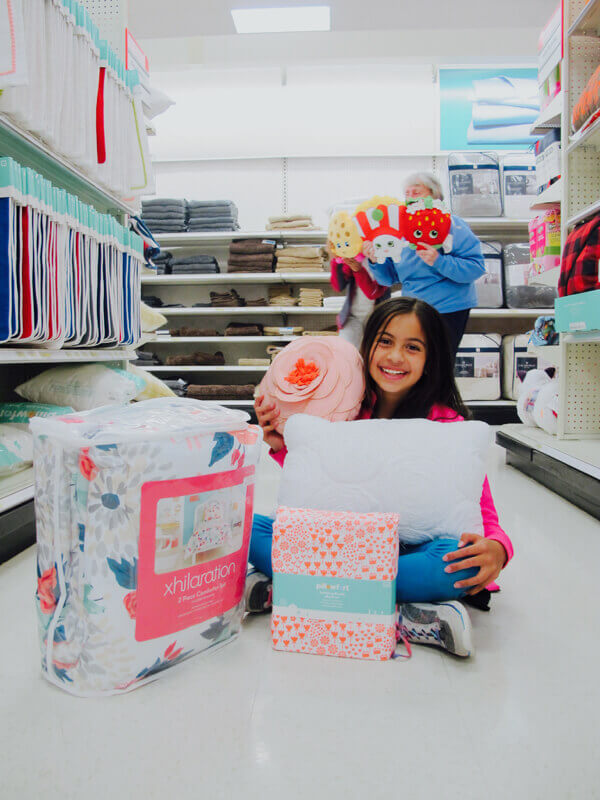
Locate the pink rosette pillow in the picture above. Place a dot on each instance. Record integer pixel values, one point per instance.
(317, 375)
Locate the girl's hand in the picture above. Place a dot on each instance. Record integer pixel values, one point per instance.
(368, 249)
(477, 551)
(428, 253)
(266, 415)
(354, 265)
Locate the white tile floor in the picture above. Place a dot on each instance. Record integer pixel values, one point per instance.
(518, 720)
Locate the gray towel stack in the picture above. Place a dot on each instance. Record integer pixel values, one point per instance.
(165, 215)
(212, 215)
(195, 264)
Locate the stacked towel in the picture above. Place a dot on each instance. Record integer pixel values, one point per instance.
(254, 362)
(304, 259)
(212, 215)
(164, 215)
(179, 386)
(334, 303)
(311, 297)
(274, 350)
(282, 331)
(259, 302)
(196, 264)
(152, 300)
(196, 359)
(146, 359)
(290, 222)
(189, 331)
(222, 299)
(251, 255)
(243, 329)
(211, 391)
(281, 297)
(162, 262)
(326, 332)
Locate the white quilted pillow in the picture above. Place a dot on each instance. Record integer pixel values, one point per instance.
(430, 473)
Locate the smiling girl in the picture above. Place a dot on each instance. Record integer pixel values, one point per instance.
(409, 374)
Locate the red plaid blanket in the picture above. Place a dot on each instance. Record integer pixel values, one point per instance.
(579, 271)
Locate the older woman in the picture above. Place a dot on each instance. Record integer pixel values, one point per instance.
(445, 281)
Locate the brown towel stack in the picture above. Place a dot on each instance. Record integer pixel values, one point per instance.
(251, 255)
(290, 222)
(262, 301)
(222, 299)
(212, 391)
(243, 329)
(188, 331)
(326, 332)
(197, 359)
(303, 259)
(311, 297)
(281, 297)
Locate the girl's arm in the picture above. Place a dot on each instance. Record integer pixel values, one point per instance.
(491, 526)
(465, 263)
(369, 287)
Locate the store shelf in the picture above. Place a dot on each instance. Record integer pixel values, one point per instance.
(25, 355)
(193, 238)
(511, 313)
(549, 118)
(246, 311)
(221, 339)
(569, 468)
(588, 138)
(217, 368)
(587, 212)
(16, 489)
(235, 278)
(497, 224)
(588, 21)
(491, 403)
(550, 196)
(30, 151)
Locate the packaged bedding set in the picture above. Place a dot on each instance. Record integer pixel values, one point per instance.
(143, 526)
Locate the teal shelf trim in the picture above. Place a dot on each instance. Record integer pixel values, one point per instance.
(32, 152)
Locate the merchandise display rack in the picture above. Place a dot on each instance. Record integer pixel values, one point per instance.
(569, 463)
(180, 288)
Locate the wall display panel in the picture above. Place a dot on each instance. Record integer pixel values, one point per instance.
(301, 111)
(254, 185)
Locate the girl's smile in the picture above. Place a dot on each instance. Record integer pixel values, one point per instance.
(398, 357)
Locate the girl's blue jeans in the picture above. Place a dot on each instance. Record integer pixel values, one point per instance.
(421, 577)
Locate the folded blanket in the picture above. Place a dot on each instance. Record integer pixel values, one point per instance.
(301, 224)
(295, 330)
(221, 391)
(243, 329)
(196, 359)
(261, 301)
(212, 226)
(160, 201)
(298, 268)
(250, 268)
(487, 114)
(325, 332)
(211, 220)
(300, 252)
(187, 330)
(504, 134)
(249, 246)
(230, 298)
(192, 269)
(254, 362)
(291, 218)
(197, 258)
(210, 204)
(250, 258)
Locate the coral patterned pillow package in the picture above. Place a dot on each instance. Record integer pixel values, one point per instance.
(429, 473)
(143, 526)
(334, 589)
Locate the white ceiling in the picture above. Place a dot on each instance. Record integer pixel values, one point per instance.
(155, 19)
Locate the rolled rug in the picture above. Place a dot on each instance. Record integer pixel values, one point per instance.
(322, 376)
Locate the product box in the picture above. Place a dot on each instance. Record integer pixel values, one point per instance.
(477, 366)
(334, 583)
(578, 312)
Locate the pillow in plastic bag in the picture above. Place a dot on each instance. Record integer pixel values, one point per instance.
(82, 387)
(16, 449)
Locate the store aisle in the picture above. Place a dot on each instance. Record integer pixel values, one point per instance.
(519, 720)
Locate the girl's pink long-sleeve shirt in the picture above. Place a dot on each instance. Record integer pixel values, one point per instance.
(489, 515)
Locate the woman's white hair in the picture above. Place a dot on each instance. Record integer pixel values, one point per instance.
(428, 180)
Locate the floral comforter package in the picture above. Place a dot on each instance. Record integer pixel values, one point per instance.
(143, 526)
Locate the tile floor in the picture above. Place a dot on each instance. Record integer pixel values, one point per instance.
(518, 720)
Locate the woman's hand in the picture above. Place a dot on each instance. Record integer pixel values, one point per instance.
(428, 253)
(368, 249)
(266, 415)
(476, 551)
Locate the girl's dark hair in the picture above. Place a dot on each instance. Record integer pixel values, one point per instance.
(437, 385)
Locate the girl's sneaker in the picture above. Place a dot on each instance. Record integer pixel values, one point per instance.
(258, 593)
(446, 625)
